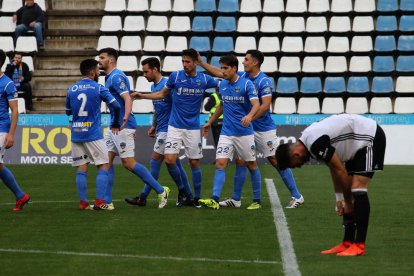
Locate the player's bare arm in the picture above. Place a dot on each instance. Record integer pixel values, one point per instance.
(128, 109)
(246, 120)
(266, 101)
(214, 117)
(151, 131)
(151, 96)
(210, 68)
(9, 142)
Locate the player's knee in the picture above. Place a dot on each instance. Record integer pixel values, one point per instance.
(221, 163)
(240, 162)
(170, 160)
(128, 163)
(252, 165)
(194, 163)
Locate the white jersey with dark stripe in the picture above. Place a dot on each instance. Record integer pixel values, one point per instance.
(344, 134)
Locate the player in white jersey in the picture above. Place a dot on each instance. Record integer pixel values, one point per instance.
(264, 129)
(239, 104)
(187, 88)
(8, 99)
(353, 147)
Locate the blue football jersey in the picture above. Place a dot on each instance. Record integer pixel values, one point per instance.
(236, 97)
(8, 93)
(84, 101)
(187, 95)
(117, 83)
(264, 88)
(162, 107)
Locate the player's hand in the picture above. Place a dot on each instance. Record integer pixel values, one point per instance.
(199, 59)
(136, 96)
(32, 24)
(339, 208)
(205, 129)
(246, 120)
(124, 122)
(151, 132)
(115, 130)
(9, 142)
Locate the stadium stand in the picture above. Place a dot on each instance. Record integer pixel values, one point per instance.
(360, 50)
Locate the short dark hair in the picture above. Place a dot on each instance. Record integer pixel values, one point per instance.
(229, 60)
(193, 54)
(283, 156)
(152, 62)
(2, 58)
(110, 51)
(17, 53)
(87, 65)
(257, 55)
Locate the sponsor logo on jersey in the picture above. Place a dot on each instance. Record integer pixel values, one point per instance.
(82, 124)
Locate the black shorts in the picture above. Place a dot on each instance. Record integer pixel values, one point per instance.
(369, 159)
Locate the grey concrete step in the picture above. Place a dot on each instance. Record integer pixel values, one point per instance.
(56, 73)
(52, 83)
(71, 43)
(78, 4)
(49, 105)
(54, 62)
(74, 23)
(50, 93)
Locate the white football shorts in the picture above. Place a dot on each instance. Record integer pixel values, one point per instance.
(86, 152)
(123, 143)
(266, 142)
(191, 138)
(159, 146)
(243, 145)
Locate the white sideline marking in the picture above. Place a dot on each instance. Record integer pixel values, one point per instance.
(131, 256)
(290, 264)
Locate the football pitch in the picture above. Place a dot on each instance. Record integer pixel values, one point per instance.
(52, 237)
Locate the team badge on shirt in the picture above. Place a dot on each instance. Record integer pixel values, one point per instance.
(237, 89)
(122, 85)
(198, 81)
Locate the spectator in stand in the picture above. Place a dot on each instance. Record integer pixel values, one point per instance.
(19, 73)
(29, 17)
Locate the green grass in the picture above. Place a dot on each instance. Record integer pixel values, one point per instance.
(53, 223)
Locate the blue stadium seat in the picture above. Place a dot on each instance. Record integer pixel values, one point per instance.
(202, 24)
(228, 6)
(311, 85)
(358, 85)
(405, 64)
(383, 64)
(407, 23)
(385, 43)
(206, 6)
(407, 5)
(334, 85)
(287, 85)
(406, 43)
(387, 5)
(223, 44)
(386, 23)
(225, 24)
(200, 43)
(215, 61)
(382, 85)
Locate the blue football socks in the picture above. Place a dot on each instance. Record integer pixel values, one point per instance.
(219, 179)
(81, 183)
(238, 183)
(9, 180)
(287, 177)
(256, 179)
(176, 176)
(197, 178)
(142, 172)
(110, 186)
(101, 183)
(184, 178)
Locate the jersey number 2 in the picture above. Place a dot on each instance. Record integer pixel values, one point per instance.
(82, 97)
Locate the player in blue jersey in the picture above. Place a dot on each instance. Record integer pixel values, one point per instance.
(8, 99)
(123, 143)
(152, 72)
(83, 102)
(239, 104)
(187, 88)
(264, 130)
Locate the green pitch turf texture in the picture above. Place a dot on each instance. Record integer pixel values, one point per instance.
(52, 237)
